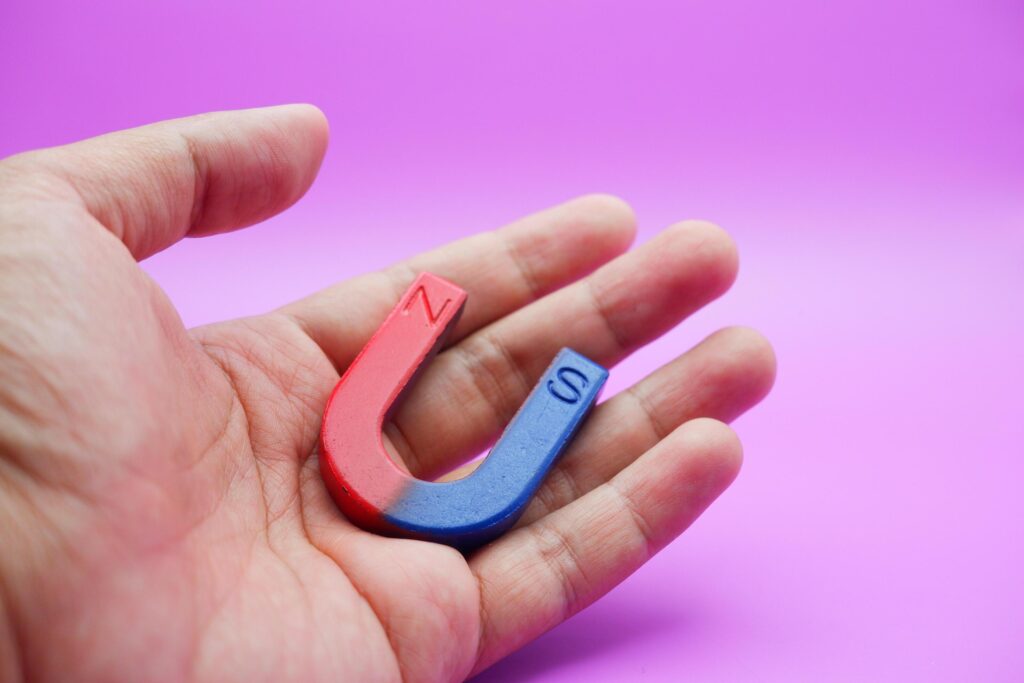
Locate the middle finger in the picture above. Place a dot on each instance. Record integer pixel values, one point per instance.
(472, 390)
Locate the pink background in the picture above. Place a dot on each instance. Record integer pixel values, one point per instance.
(868, 157)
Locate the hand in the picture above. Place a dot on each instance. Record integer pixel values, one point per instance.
(162, 517)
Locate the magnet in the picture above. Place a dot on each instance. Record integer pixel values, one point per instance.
(378, 495)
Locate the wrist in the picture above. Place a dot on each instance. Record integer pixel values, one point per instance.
(22, 568)
(10, 652)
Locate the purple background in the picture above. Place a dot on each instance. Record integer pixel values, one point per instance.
(868, 157)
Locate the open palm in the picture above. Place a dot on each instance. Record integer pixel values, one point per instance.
(162, 517)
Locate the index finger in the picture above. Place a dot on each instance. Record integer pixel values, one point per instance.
(501, 270)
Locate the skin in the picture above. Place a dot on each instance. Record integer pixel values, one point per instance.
(162, 517)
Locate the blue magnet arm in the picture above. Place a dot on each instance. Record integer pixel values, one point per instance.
(472, 511)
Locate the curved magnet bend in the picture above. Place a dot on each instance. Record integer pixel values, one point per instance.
(377, 495)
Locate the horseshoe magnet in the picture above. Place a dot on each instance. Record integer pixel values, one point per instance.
(376, 494)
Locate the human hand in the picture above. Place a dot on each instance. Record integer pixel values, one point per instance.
(162, 516)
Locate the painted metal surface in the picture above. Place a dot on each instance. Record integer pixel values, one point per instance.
(380, 496)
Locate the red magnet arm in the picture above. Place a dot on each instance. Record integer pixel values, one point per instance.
(360, 476)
